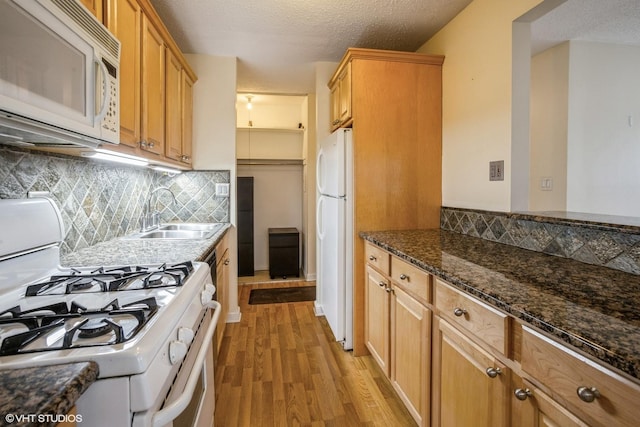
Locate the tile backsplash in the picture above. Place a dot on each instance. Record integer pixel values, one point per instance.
(100, 201)
(605, 246)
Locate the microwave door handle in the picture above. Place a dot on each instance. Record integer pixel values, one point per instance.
(105, 81)
(175, 408)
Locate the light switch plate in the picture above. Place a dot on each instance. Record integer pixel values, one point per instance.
(496, 170)
(222, 190)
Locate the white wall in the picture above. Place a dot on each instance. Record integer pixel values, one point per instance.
(309, 189)
(277, 202)
(604, 129)
(548, 128)
(477, 92)
(214, 138)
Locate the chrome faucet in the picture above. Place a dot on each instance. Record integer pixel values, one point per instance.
(151, 218)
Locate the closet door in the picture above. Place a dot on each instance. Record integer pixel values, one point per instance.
(245, 226)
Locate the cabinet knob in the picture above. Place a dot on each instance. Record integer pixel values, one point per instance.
(143, 143)
(458, 312)
(404, 277)
(493, 372)
(588, 394)
(185, 158)
(390, 290)
(152, 144)
(522, 394)
(372, 258)
(227, 261)
(335, 122)
(382, 284)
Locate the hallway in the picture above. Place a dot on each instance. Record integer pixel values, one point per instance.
(280, 367)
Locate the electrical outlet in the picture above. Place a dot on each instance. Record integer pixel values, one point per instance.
(222, 190)
(496, 170)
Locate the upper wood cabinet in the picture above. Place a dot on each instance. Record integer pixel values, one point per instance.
(340, 88)
(394, 103)
(124, 20)
(179, 112)
(96, 7)
(156, 85)
(153, 88)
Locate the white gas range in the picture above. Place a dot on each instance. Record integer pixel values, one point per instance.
(149, 327)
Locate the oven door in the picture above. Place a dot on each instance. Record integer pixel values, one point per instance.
(191, 400)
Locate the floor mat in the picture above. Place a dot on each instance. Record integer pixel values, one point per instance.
(280, 295)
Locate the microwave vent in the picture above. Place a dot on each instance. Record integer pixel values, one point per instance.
(90, 25)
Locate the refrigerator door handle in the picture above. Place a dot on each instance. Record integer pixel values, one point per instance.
(319, 229)
(319, 173)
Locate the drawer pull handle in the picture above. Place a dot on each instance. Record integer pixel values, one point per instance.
(382, 284)
(493, 372)
(522, 394)
(372, 258)
(458, 312)
(404, 277)
(390, 290)
(588, 394)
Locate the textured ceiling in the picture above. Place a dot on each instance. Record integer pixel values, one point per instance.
(607, 21)
(277, 41)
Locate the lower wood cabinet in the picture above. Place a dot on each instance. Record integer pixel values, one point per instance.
(470, 386)
(534, 408)
(222, 286)
(411, 353)
(455, 361)
(376, 330)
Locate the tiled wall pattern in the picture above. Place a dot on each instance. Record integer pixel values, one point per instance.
(614, 249)
(100, 201)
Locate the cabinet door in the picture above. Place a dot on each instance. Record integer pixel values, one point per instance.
(153, 88)
(173, 78)
(335, 106)
(472, 388)
(411, 353)
(534, 408)
(222, 286)
(345, 94)
(376, 328)
(95, 7)
(187, 117)
(124, 20)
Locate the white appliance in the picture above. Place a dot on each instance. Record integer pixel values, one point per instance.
(59, 72)
(334, 241)
(148, 327)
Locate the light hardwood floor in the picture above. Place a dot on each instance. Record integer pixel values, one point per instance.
(280, 367)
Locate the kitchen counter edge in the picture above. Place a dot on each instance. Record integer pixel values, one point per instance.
(51, 393)
(623, 358)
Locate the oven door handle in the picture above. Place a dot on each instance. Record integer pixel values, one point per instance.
(175, 408)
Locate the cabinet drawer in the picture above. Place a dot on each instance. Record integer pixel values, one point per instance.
(567, 373)
(411, 278)
(487, 323)
(377, 258)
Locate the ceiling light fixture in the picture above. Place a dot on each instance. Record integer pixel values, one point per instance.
(102, 154)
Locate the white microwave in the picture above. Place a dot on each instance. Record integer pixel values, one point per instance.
(59, 70)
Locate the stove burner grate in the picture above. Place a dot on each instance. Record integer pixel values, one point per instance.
(92, 324)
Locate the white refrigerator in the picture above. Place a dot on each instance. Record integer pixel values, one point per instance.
(334, 240)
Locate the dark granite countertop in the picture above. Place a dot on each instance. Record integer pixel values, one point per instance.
(594, 309)
(121, 251)
(38, 396)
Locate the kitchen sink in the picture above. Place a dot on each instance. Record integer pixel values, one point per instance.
(179, 231)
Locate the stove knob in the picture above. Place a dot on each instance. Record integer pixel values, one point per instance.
(185, 335)
(177, 351)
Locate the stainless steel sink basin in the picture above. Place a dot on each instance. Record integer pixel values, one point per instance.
(179, 231)
(191, 226)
